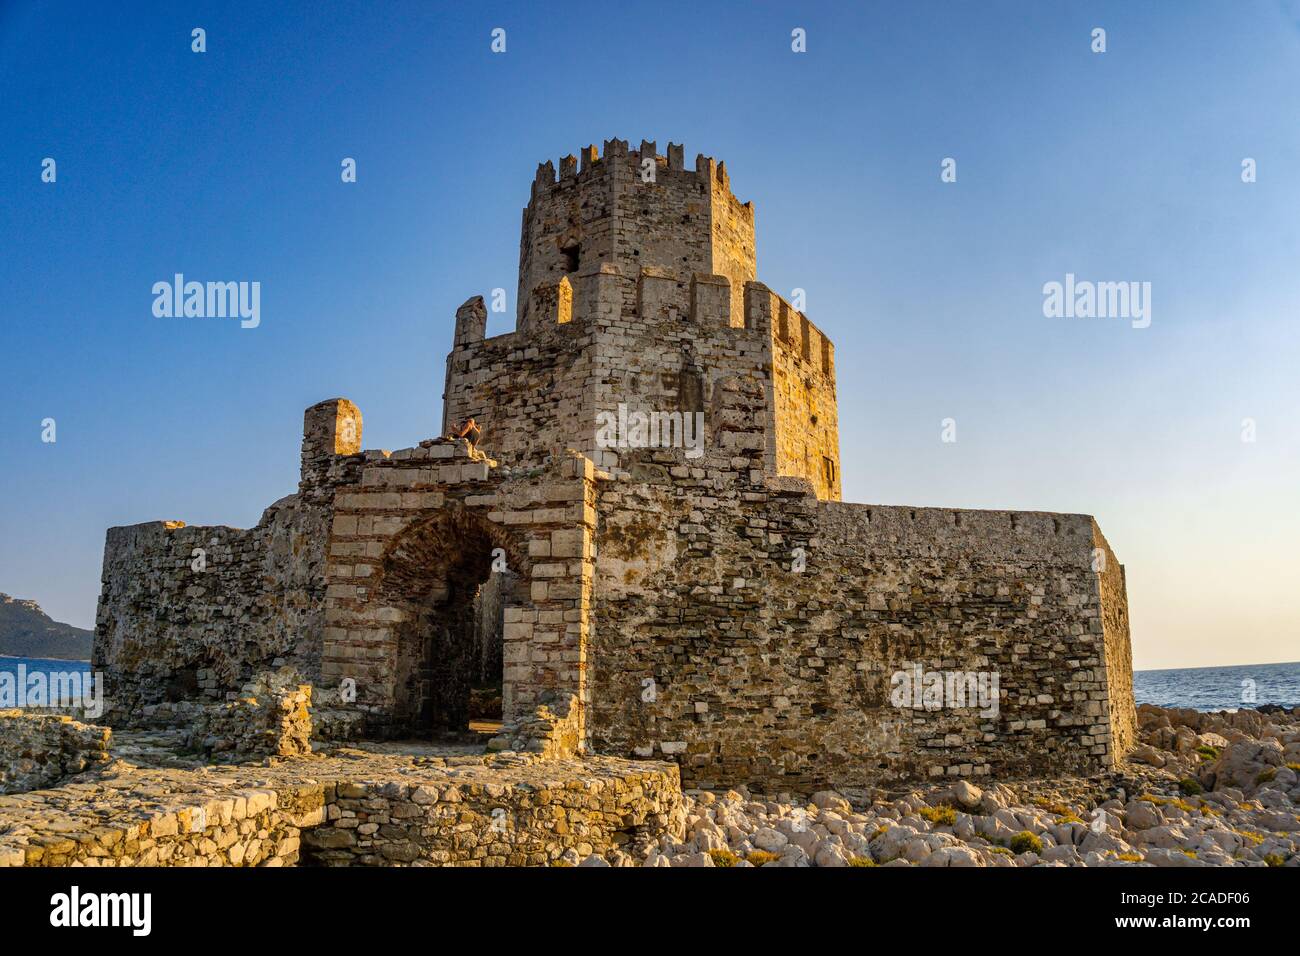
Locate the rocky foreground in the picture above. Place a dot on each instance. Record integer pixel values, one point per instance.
(1199, 790)
(1219, 789)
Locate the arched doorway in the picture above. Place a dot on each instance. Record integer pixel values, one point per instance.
(449, 577)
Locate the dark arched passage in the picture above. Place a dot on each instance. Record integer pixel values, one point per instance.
(449, 576)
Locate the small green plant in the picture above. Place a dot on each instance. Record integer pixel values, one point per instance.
(1190, 853)
(1070, 817)
(999, 849)
(1251, 837)
(1266, 775)
(1026, 842)
(1273, 859)
(561, 863)
(1207, 752)
(1130, 857)
(724, 858)
(939, 816)
(1190, 787)
(1293, 766)
(861, 861)
(761, 857)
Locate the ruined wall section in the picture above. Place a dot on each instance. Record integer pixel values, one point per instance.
(166, 632)
(194, 613)
(712, 649)
(38, 751)
(364, 811)
(804, 401)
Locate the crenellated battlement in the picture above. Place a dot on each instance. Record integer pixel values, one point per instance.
(603, 296)
(634, 208)
(792, 333)
(708, 173)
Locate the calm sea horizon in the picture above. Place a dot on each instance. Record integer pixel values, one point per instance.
(1200, 688)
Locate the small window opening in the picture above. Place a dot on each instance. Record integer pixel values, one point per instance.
(571, 255)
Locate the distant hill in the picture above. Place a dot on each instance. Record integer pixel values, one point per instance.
(27, 631)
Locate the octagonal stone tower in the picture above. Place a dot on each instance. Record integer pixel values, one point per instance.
(637, 294)
(634, 209)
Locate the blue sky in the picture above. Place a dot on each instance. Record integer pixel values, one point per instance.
(1120, 166)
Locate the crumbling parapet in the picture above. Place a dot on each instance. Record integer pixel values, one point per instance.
(553, 730)
(40, 750)
(471, 322)
(271, 717)
(329, 429)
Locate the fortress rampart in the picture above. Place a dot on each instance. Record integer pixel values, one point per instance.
(712, 603)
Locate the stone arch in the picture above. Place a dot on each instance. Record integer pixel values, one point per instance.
(434, 579)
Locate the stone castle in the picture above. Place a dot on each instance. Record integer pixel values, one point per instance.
(634, 593)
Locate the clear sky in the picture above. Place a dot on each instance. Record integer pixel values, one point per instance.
(1117, 166)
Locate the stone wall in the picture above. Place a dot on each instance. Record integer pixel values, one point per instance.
(595, 807)
(1117, 646)
(171, 629)
(192, 614)
(253, 826)
(358, 809)
(780, 678)
(410, 546)
(39, 750)
(679, 353)
(525, 392)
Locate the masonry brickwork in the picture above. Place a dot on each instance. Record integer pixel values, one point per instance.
(38, 750)
(703, 598)
(361, 809)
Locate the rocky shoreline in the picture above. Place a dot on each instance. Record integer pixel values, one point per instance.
(1201, 789)
(1218, 789)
